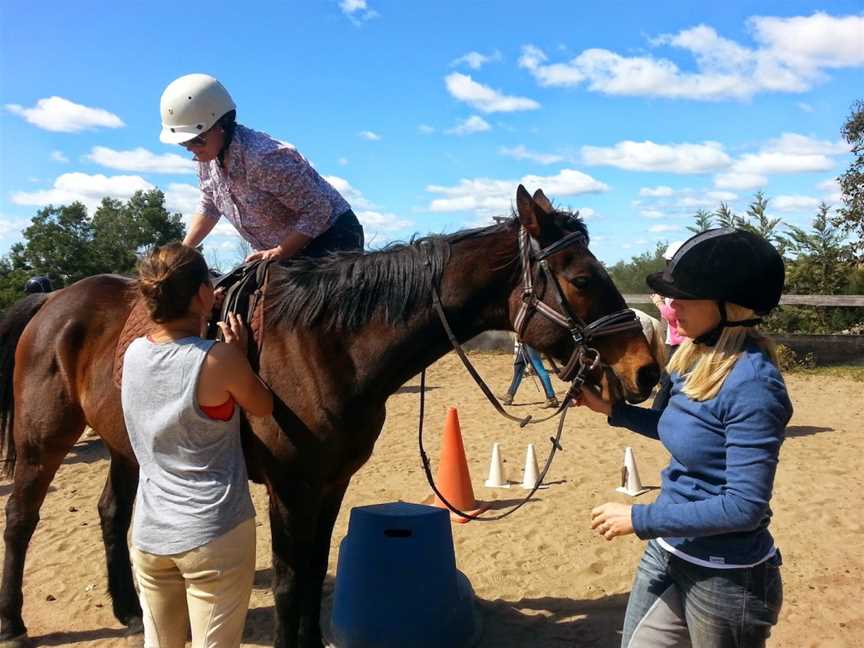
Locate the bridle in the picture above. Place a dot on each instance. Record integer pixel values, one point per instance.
(583, 359)
(582, 355)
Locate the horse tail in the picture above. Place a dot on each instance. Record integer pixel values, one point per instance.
(12, 326)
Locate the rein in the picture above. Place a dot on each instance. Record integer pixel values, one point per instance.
(583, 359)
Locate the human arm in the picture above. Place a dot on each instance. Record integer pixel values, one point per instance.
(199, 228)
(754, 416)
(612, 519)
(230, 367)
(288, 247)
(637, 419)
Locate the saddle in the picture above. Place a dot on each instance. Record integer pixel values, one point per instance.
(245, 295)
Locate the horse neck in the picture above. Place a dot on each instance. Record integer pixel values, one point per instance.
(474, 288)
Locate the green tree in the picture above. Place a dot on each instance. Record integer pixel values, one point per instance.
(66, 245)
(759, 223)
(629, 276)
(726, 217)
(850, 216)
(704, 220)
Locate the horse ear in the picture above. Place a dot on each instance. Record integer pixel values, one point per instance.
(529, 213)
(542, 201)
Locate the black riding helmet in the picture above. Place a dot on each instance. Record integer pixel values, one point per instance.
(38, 284)
(724, 265)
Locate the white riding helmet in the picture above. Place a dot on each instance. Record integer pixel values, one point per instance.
(672, 249)
(191, 105)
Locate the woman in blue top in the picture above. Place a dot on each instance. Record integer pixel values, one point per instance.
(709, 577)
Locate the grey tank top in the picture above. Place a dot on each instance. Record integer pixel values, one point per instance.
(193, 485)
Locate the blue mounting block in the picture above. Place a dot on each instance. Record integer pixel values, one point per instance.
(397, 584)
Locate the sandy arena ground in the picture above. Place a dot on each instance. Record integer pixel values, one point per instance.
(541, 577)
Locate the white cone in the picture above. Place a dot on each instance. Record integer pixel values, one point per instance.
(531, 474)
(496, 471)
(630, 483)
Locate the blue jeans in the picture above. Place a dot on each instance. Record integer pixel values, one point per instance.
(539, 369)
(676, 603)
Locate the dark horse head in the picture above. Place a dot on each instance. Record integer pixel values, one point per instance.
(585, 292)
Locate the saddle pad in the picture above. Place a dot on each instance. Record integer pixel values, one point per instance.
(138, 324)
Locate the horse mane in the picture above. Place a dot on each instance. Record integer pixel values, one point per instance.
(346, 289)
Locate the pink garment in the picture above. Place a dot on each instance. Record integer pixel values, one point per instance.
(268, 191)
(673, 337)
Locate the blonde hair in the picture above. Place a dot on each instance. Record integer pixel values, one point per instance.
(705, 368)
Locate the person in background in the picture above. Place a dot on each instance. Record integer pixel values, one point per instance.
(38, 284)
(673, 337)
(710, 573)
(523, 356)
(274, 198)
(193, 530)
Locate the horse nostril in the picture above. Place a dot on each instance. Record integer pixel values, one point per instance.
(647, 377)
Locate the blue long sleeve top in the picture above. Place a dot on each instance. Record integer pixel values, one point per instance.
(713, 508)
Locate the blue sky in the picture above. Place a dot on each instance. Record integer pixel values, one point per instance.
(428, 114)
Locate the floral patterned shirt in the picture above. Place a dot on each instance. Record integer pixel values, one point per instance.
(267, 191)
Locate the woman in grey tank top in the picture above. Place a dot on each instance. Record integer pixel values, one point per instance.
(193, 530)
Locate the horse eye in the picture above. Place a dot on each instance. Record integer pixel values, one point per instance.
(580, 282)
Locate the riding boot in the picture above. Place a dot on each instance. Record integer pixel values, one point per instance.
(507, 399)
(551, 402)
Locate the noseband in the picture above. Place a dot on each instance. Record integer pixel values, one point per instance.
(584, 358)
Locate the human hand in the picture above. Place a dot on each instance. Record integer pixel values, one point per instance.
(273, 254)
(612, 519)
(590, 397)
(218, 298)
(234, 332)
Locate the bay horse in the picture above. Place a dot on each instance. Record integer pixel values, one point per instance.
(342, 335)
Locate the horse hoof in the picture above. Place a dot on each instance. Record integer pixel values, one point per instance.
(21, 641)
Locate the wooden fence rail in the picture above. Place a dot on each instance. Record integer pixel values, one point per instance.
(789, 300)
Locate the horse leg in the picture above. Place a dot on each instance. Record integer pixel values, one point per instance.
(34, 471)
(292, 527)
(115, 515)
(310, 613)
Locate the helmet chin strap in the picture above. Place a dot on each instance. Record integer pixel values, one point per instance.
(710, 338)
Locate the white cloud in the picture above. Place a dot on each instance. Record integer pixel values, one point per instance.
(740, 181)
(775, 162)
(794, 203)
(357, 10)
(59, 156)
(656, 192)
(488, 196)
(182, 198)
(796, 144)
(832, 192)
(11, 227)
(472, 124)
(790, 55)
(648, 156)
(142, 161)
(87, 189)
(806, 107)
(587, 213)
(522, 153)
(484, 98)
(343, 161)
(724, 196)
(425, 129)
(369, 136)
(664, 228)
(653, 213)
(373, 219)
(63, 116)
(376, 221)
(476, 60)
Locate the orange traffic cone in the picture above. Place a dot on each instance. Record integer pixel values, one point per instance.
(453, 480)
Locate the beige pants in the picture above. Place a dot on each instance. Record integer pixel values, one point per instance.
(207, 588)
